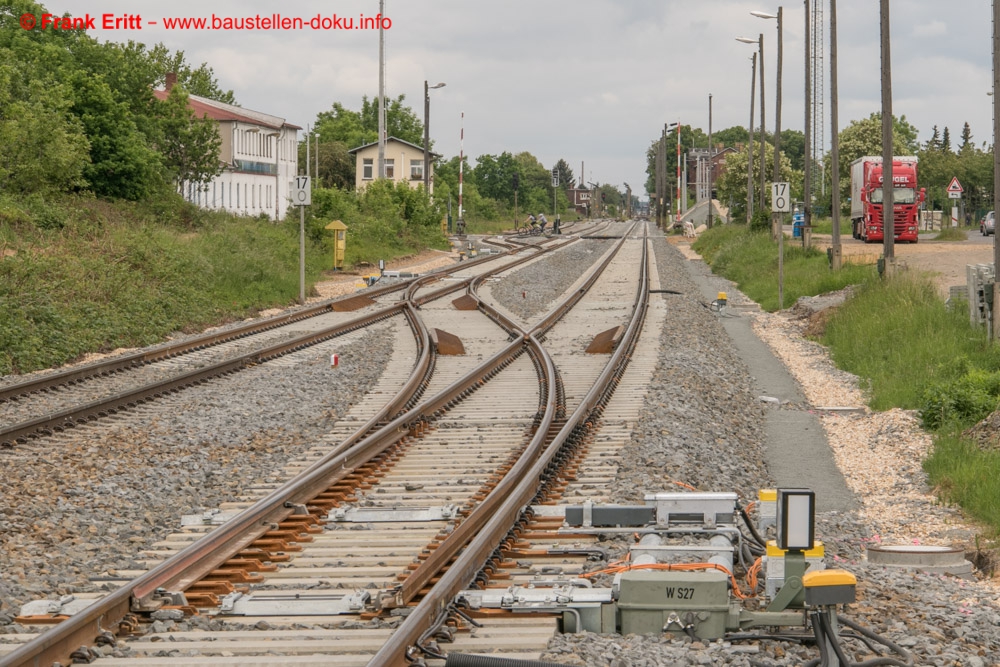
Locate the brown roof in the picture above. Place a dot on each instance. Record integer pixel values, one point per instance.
(227, 112)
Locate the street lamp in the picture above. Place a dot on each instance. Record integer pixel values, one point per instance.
(776, 217)
(753, 89)
(427, 134)
(677, 199)
(763, 123)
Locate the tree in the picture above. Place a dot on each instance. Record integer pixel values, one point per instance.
(42, 144)
(934, 143)
(566, 178)
(966, 139)
(189, 145)
(200, 81)
(336, 165)
(732, 184)
(494, 176)
(122, 163)
(946, 140)
(400, 121)
(343, 125)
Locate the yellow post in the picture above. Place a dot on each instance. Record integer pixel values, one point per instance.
(339, 243)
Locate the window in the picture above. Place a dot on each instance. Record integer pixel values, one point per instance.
(367, 166)
(390, 168)
(416, 170)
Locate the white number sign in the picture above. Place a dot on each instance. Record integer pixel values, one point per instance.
(301, 192)
(780, 199)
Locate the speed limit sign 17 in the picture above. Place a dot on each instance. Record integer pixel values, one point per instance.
(780, 198)
(301, 193)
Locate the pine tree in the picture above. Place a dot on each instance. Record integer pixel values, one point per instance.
(946, 141)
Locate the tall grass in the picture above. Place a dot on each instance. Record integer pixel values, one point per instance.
(899, 335)
(750, 259)
(964, 474)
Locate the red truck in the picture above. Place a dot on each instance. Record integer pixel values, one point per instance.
(866, 199)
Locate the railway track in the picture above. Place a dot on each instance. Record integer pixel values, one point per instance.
(482, 336)
(432, 523)
(486, 340)
(61, 400)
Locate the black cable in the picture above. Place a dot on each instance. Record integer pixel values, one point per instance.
(748, 636)
(753, 529)
(827, 629)
(882, 640)
(864, 640)
(824, 656)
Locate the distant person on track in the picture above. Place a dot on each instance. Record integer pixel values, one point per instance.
(542, 221)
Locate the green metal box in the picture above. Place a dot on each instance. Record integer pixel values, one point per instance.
(657, 601)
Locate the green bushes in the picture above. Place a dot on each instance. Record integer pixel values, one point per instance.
(965, 400)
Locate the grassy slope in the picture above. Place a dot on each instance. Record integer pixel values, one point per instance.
(116, 275)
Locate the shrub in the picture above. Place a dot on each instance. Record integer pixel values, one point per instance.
(970, 398)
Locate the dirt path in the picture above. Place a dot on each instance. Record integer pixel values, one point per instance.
(944, 261)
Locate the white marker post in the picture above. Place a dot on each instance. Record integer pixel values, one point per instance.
(302, 197)
(780, 203)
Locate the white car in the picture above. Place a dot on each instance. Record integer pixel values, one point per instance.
(987, 225)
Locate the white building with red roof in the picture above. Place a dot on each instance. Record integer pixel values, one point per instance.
(260, 154)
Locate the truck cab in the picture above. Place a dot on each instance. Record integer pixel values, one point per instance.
(867, 218)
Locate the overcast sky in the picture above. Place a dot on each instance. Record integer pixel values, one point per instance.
(590, 80)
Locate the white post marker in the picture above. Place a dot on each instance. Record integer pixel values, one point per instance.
(302, 197)
(781, 203)
(334, 360)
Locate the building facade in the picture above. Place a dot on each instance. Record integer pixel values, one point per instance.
(260, 157)
(404, 163)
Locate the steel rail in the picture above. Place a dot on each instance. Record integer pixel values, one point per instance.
(419, 578)
(136, 359)
(207, 554)
(533, 471)
(81, 414)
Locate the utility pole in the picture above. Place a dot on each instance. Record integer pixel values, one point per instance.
(658, 181)
(996, 159)
(750, 186)
(678, 202)
(888, 212)
(836, 251)
(807, 151)
(711, 163)
(763, 126)
(381, 92)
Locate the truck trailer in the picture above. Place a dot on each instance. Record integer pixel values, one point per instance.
(866, 199)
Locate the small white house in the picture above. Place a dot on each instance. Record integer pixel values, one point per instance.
(260, 154)
(404, 163)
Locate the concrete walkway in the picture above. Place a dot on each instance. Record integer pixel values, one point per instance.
(798, 455)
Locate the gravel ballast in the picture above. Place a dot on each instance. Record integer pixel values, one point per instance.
(80, 507)
(125, 485)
